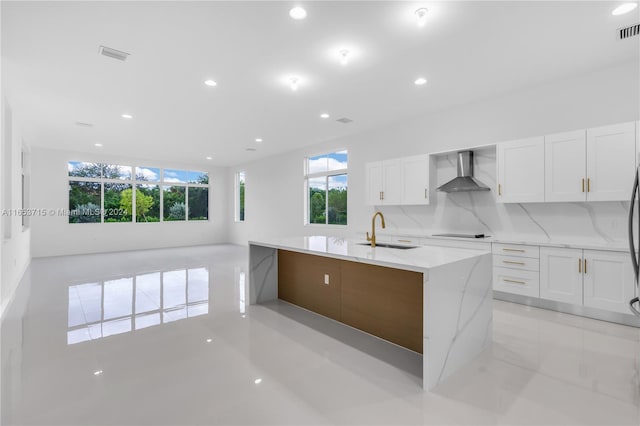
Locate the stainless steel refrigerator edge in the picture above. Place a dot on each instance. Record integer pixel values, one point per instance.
(634, 304)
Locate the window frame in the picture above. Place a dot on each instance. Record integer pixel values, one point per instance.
(135, 182)
(326, 175)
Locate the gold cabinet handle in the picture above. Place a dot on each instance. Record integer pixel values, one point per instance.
(585, 266)
(510, 249)
(588, 184)
(404, 241)
(579, 266)
(380, 195)
(425, 193)
(499, 189)
(383, 195)
(511, 262)
(513, 281)
(582, 184)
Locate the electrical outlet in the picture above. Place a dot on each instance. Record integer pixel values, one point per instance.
(326, 279)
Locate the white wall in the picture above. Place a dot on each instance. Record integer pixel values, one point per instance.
(15, 248)
(54, 236)
(275, 197)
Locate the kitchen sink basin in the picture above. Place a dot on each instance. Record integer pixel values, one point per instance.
(394, 246)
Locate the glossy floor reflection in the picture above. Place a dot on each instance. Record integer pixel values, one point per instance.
(164, 337)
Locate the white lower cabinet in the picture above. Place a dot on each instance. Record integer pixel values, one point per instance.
(592, 278)
(608, 280)
(561, 275)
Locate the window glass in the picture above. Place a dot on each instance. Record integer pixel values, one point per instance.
(117, 202)
(240, 191)
(175, 176)
(174, 203)
(337, 200)
(87, 170)
(84, 202)
(147, 203)
(317, 200)
(198, 203)
(151, 174)
(198, 177)
(112, 171)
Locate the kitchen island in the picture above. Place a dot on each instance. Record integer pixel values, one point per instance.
(433, 300)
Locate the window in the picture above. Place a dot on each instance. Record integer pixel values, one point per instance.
(326, 188)
(240, 188)
(113, 193)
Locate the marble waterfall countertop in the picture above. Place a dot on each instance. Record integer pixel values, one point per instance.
(419, 259)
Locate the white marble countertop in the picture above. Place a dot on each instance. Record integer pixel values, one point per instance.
(585, 243)
(419, 259)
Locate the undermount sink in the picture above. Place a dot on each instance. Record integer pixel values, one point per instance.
(395, 246)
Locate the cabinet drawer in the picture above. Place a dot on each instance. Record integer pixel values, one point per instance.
(526, 283)
(515, 262)
(473, 245)
(518, 250)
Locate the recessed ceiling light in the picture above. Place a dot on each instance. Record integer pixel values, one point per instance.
(294, 81)
(209, 157)
(624, 8)
(421, 16)
(257, 381)
(99, 145)
(298, 13)
(210, 83)
(127, 116)
(258, 140)
(209, 340)
(324, 115)
(421, 81)
(97, 373)
(344, 56)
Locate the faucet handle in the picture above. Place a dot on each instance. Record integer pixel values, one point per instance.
(368, 237)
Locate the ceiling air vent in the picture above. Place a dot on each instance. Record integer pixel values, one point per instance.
(344, 120)
(630, 31)
(113, 53)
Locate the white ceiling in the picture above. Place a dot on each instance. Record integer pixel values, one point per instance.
(54, 76)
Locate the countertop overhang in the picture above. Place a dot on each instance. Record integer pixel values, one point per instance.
(419, 259)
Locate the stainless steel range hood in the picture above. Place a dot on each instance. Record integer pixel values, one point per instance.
(465, 181)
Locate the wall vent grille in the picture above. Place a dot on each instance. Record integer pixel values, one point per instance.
(113, 53)
(630, 31)
(344, 120)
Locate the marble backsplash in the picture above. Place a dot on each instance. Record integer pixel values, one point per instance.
(478, 212)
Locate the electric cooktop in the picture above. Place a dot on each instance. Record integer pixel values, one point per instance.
(462, 235)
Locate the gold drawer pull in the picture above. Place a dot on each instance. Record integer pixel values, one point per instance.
(404, 241)
(511, 262)
(510, 249)
(513, 281)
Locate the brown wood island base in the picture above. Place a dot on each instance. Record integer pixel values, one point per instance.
(384, 302)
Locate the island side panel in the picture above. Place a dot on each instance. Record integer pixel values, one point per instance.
(458, 316)
(263, 274)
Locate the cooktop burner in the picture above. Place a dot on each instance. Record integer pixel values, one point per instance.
(462, 235)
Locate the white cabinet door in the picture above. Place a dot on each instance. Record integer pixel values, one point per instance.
(391, 182)
(520, 171)
(561, 275)
(374, 183)
(565, 166)
(415, 180)
(611, 152)
(608, 280)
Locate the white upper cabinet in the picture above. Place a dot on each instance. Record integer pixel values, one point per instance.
(610, 162)
(565, 166)
(415, 179)
(520, 171)
(608, 280)
(374, 183)
(401, 181)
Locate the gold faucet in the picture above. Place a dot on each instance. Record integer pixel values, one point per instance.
(373, 228)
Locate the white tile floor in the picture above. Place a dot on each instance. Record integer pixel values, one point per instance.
(163, 337)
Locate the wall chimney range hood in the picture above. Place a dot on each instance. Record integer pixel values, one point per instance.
(465, 181)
